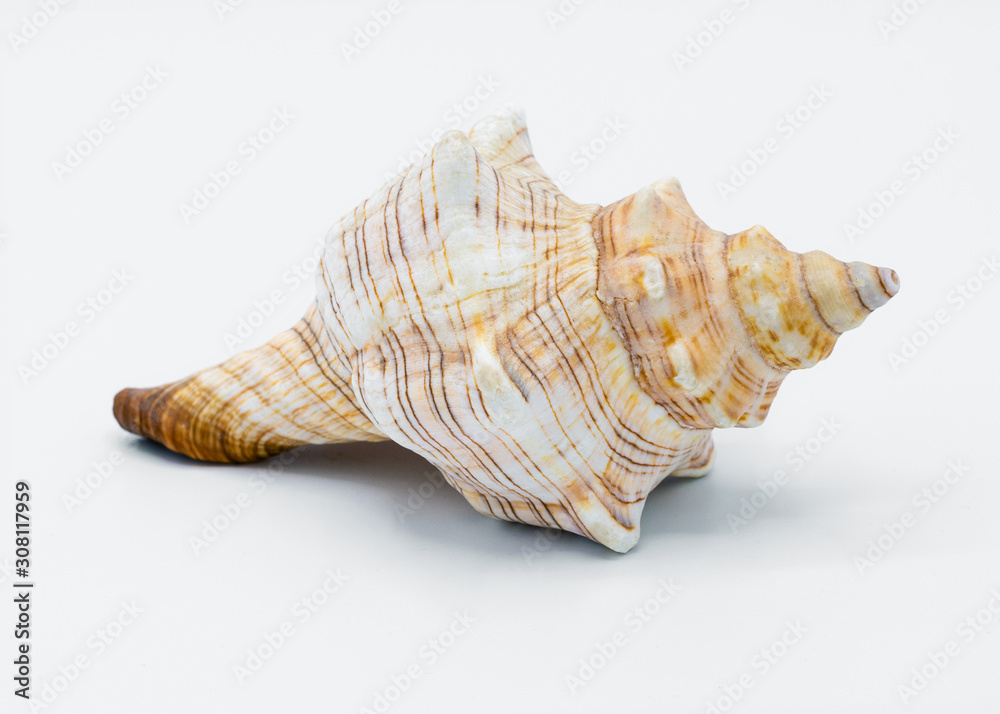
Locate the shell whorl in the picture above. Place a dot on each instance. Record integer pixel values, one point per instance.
(794, 305)
(554, 360)
(714, 322)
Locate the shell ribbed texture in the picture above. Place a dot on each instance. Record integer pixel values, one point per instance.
(554, 360)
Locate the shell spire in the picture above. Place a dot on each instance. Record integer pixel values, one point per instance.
(795, 306)
(714, 322)
(555, 360)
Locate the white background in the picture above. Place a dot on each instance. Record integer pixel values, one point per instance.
(540, 604)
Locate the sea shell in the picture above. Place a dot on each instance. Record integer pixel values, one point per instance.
(554, 360)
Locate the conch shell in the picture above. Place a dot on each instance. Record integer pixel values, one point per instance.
(554, 360)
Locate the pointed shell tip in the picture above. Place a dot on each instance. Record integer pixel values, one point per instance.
(890, 280)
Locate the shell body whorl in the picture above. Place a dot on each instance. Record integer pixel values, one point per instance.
(554, 360)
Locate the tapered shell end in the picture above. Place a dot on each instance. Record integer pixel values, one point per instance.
(187, 418)
(133, 411)
(795, 306)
